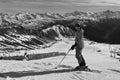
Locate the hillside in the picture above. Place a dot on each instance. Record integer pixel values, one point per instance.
(37, 30)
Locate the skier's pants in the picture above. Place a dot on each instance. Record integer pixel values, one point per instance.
(79, 57)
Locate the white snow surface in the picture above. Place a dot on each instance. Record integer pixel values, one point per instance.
(104, 67)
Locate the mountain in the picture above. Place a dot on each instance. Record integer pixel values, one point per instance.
(103, 14)
(36, 30)
(76, 14)
(107, 14)
(27, 31)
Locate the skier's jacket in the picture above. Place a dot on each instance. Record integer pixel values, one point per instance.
(79, 39)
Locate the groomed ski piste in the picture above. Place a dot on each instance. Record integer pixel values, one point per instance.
(97, 57)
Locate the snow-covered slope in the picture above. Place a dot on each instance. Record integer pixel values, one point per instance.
(102, 65)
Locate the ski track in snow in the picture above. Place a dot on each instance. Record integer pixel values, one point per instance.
(104, 67)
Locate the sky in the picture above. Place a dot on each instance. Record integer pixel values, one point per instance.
(57, 6)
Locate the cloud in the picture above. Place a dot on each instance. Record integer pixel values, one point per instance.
(94, 2)
(61, 6)
(64, 2)
(106, 2)
(6, 1)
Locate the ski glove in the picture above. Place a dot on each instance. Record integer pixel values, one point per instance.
(73, 46)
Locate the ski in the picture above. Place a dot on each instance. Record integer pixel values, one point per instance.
(85, 69)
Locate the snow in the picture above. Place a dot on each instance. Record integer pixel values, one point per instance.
(104, 67)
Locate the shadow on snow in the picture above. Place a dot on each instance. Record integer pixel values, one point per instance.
(33, 73)
(32, 56)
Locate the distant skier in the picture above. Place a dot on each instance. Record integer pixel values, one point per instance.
(79, 45)
(26, 57)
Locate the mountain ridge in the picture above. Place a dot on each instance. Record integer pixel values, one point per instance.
(33, 30)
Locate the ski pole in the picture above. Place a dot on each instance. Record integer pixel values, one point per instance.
(63, 58)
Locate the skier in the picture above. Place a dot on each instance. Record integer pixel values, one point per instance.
(79, 45)
(26, 56)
